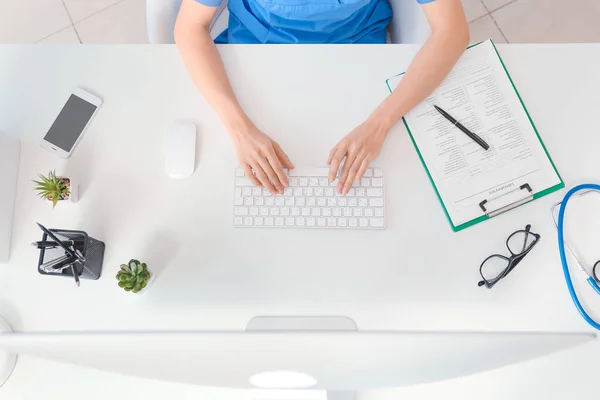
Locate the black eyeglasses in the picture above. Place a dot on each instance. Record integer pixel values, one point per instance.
(497, 266)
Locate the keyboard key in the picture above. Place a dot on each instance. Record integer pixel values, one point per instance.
(288, 191)
(303, 182)
(374, 192)
(360, 192)
(323, 182)
(363, 222)
(311, 201)
(248, 201)
(337, 212)
(290, 201)
(279, 221)
(279, 201)
(259, 201)
(301, 201)
(343, 222)
(310, 172)
(377, 173)
(326, 212)
(239, 201)
(285, 211)
(269, 221)
(319, 192)
(347, 211)
(351, 193)
(258, 221)
(274, 211)
(253, 210)
(353, 222)
(353, 202)
(313, 182)
(369, 212)
(329, 192)
(376, 202)
(241, 182)
(333, 183)
(248, 221)
(356, 183)
(331, 222)
(300, 221)
(238, 221)
(240, 211)
(363, 202)
(297, 192)
(321, 222)
(315, 212)
(289, 221)
(270, 201)
(331, 202)
(369, 173)
(358, 212)
(365, 182)
(305, 212)
(256, 191)
(239, 173)
(379, 212)
(342, 202)
(264, 211)
(247, 191)
(321, 202)
(376, 222)
(311, 222)
(293, 182)
(295, 211)
(377, 182)
(308, 192)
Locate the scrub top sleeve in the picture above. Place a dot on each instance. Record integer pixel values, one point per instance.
(216, 3)
(418, 1)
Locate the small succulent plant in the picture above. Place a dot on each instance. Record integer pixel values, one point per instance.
(133, 276)
(53, 188)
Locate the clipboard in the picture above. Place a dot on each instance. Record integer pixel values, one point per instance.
(493, 205)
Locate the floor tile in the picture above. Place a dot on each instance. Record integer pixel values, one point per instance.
(124, 22)
(550, 21)
(27, 21)
(66, 36)
(473, 9)
(492, 5)
(483, 29)
(80, 9)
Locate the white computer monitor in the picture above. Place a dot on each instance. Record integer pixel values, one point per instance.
(333, 359)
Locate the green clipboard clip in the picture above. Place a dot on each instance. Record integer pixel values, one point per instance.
(507, 201)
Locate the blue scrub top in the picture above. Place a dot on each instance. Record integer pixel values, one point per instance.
(306, 21)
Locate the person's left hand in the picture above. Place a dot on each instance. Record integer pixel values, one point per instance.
(358, 149)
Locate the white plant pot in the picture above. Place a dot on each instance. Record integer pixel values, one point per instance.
(141, 292)
(74, 197)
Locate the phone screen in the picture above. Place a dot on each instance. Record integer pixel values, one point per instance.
(70, 123)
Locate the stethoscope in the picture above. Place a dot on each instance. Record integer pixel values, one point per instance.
(592, 279)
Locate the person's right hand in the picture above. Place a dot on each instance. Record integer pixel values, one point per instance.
(263, 160)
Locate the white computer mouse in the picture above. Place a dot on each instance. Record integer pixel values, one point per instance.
(180, 149)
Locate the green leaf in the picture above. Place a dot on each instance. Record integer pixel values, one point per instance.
(122, 284)
(127, 288)
(125, 268)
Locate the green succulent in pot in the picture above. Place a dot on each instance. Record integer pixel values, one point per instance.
(133, 276)
(53, 188)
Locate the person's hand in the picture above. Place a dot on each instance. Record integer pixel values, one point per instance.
(263, 160)
(357, 149)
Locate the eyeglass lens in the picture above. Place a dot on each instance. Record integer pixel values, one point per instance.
(493, 267)
(520, 241)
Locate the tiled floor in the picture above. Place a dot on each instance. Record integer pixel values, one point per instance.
(123, 21)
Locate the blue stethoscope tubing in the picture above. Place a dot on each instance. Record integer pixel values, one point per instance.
(563, 256)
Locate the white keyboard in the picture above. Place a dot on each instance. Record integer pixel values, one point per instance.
(311, 201)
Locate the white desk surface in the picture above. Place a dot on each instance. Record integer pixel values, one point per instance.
(415, 275)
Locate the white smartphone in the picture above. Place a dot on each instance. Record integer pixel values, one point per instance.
(72, 121)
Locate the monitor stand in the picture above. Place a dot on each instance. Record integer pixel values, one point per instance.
(306, 324)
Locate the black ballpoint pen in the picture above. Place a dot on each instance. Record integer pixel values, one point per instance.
(467, 132)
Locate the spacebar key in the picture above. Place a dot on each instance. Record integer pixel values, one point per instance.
(320, 172)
